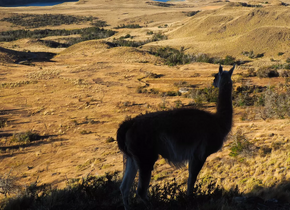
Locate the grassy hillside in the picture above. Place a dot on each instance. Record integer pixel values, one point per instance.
(236, 28)
(60, 106)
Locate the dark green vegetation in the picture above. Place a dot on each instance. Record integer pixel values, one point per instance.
(85, 34)
(243, 4)
(240, 144)
(35, 21)
(103, 193)
(160, 4)
(122, 41)
(192, 13)
(128, 26)
(174, 57)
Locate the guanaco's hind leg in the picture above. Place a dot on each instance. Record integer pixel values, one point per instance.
(195, 166)
(143, 184)
(128, 179)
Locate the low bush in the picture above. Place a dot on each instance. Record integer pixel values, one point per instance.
(3, 122)
(128, 26)
(252, 55)
(172, 56)
(240, 144)
(285, 73)
(229, 60)
(277, 104)
(122, 42)
(24, 138)
(192, 13)
(207, 94)
(251, 73)
(248, 95)
(267, 71)
(99, 23)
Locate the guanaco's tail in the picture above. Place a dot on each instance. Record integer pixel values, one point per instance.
(121, 136)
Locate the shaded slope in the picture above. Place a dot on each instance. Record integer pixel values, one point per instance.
(13, 56)
(100, 51)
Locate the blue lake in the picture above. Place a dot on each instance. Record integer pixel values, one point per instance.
(43, 3)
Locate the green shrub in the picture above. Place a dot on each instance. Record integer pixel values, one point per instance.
(240, 144)
(277, 104)
(252, 55)
(251, 73)
(99, 23)
(128, 26)
(25, 138)
(208, 94)
(267, 71)
(158, 37)
(3, 122)
(84, 132)
(110, 139)
(229, 60)
(285, 73)
(172, 93)
(172, 56)
(203, 58)
(249, 95)
(244, 99)
(265, 150)
(192, 13)
(121, 42)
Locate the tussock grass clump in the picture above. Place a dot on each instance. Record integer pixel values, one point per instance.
(17, 84)
(43, 74)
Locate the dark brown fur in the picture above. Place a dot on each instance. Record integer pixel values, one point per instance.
(177, 135)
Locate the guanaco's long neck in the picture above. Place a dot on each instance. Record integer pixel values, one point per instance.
(225, 106)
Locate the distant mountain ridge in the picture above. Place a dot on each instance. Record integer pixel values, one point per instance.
(4, 3)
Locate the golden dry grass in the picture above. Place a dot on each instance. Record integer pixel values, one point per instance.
(88, 89)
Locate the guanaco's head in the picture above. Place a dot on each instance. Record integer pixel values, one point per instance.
(223, 78)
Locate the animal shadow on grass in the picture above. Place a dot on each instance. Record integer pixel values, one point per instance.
(102, 192)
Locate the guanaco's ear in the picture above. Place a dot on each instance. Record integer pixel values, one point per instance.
(220, 69)
(232, 69)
